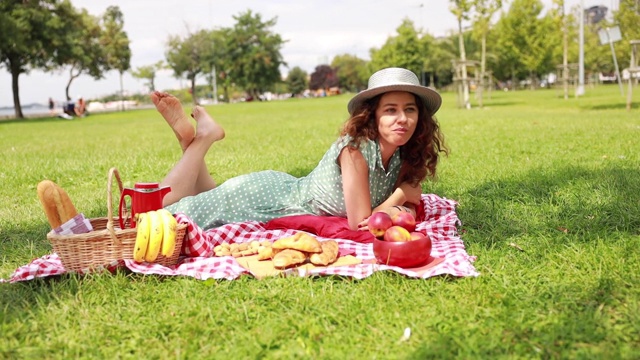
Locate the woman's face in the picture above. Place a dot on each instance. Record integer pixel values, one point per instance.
(397, 117)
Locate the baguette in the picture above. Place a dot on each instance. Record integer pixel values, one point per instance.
(56, 203)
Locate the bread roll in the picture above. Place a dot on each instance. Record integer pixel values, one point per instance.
(329, 254)
(288, 257)
(300, 241)
(56, 203)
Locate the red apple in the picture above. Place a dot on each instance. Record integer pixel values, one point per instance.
(397, 233)
(404, 219)
(378, 223)
(416, 235)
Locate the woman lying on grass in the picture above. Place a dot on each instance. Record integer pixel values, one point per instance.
(390, 144)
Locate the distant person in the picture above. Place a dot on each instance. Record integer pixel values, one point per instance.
(387, 147)
(52, 106)
(81, 108)
(69, 108)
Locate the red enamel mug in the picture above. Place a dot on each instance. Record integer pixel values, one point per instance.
(144, 197)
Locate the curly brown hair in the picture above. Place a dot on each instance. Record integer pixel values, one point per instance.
(419, 155)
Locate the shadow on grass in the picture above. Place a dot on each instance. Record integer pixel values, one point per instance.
(34, 120)
(489, 103)
(584, 203)
(615, 106)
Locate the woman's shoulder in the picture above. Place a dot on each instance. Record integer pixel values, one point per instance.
(362, 144)
(368, 147)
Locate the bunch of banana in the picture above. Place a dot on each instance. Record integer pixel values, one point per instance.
(156, 234)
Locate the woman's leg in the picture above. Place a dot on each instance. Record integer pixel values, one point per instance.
(171, 109)
(184, 175)
(205, 182)
(190, 175)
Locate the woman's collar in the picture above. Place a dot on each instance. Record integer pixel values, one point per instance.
(395, 158)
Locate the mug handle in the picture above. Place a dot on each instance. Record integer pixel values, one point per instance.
(125, 192)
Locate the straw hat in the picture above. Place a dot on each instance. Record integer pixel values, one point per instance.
(396, 79)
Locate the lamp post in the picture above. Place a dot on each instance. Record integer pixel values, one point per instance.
(580, 88)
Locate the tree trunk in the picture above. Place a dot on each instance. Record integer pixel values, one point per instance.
(482, 69)
(193, 90)
(565, 55)
(121, 92)
(15, 73)
(71, 78)
(463, 59)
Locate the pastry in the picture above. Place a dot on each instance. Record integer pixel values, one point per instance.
(329, 254)
(288, 257)
(56, 203)
(265, 253)
(300, 241)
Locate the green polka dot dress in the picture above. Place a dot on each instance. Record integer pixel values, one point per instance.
(266, 195)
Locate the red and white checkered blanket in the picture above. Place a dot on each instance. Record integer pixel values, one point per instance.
(440, 224)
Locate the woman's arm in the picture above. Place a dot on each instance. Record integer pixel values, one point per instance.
(404, 198)
(355, 186)
(403, 195)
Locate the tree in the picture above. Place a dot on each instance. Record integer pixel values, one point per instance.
(85, 54)
(220, 61)
(115, 43)
(440, 54)
(562, 22)
(461, 9)
(216, 62)
(324, 77)
(428, 45)
(403, 50)
(188, 57)
(148, 73)
(254, 57)
(351, 71)
(297, 81)
(526, 41)
(628, 18)
(484, 9)
(33, 35)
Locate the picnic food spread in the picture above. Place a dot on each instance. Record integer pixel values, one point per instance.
(399, 228)
(56, 203)
(285, 252)
(396, 242)
(158, 239)
(155, 234)
(193, 254)
(86, 244)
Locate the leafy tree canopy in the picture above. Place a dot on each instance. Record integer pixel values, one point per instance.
(352, 72)
(254, 57)
(324, 77)
(297, 81)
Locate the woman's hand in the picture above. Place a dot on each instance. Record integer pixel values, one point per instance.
(391, 211)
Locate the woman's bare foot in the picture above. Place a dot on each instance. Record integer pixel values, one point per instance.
(206, 127)
(171, 110)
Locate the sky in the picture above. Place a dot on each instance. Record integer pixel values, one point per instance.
(315, 31)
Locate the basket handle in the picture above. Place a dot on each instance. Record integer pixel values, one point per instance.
(113, 171)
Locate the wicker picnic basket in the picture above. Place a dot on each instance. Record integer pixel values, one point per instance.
(107, 244)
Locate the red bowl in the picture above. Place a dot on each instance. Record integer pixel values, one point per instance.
(403, 254)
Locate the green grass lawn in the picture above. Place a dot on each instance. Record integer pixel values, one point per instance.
(558, 179)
